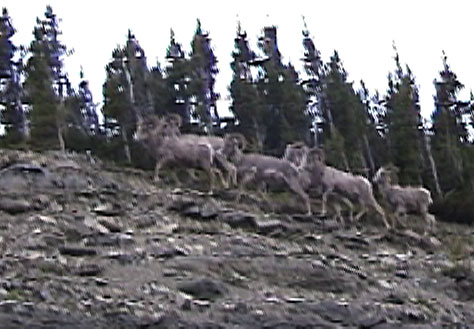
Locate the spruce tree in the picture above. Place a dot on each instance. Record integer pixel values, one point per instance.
(449, 128)
(135, 66)
(177, 80)
(119, 114)
(45, 82)
(88, 108)
(314, 69)
(284, 100)
(203, 71)
(246, 101)
(12, 115)
(403, 121)
(348, 116)
(160, 95)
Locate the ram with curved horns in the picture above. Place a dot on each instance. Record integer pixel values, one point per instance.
(216, 142)
(168, 148)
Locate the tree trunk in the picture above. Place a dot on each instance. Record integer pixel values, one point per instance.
(434, 172)
(369, 155)
(62, 144)
(260, 136)
(126, 147)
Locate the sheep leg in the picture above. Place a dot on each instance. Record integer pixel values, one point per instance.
(263, 193)
(248, 176)
(430, 220)
(210, 173)
(324, 202)
(175, 178)
(192, 173)
(296, 187)
(338, 212)
(397, 215)
(349, 205)
(380, 211)
(224, 182)
(159, 164)
(229, 168)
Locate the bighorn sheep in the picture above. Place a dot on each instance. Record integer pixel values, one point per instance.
(403, 199)
(347, 186)
(262, 168)
(216, 142)
(296, 153)
(172, 149)
(311, 167)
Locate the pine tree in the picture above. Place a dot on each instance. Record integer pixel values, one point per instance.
(449, 127)
(246, 101)
(88, 108)
(203, 71)
(348, 116)
(135, 65)
(403, 121)
(10, 74)
(160, 95)
(45, 82)
(283, 98)
(314, 69)
(119, 114)
(177, 80)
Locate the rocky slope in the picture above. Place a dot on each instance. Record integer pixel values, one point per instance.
(86, 245)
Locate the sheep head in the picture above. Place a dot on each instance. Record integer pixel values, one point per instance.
(382, 176)
(296, 153)
(175, 122)
(149, 127)
(315, 156)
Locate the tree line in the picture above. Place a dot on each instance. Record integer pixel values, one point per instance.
(272, 104)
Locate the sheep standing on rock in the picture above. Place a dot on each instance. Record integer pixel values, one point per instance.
(404, 199)
(262, 169)
(346, 186)
(172, 149)
(216, 142)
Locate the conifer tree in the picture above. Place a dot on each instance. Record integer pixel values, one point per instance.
(136, 69)
(44, 83)
(314, 69)
(403, 121)
(284, 100)
(177, 80)
(203, 71)
(346, 149)
(88, 108)
(246, 101)
(449, 127)
(10, 74)
(119, 114)
(161, 98)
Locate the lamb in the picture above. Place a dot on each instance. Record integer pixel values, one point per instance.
(172, 149)
(404, 199)
(262, 168)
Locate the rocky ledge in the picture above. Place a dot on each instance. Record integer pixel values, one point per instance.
(89, 245)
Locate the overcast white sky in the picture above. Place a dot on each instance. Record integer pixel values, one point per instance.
(361, 30)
